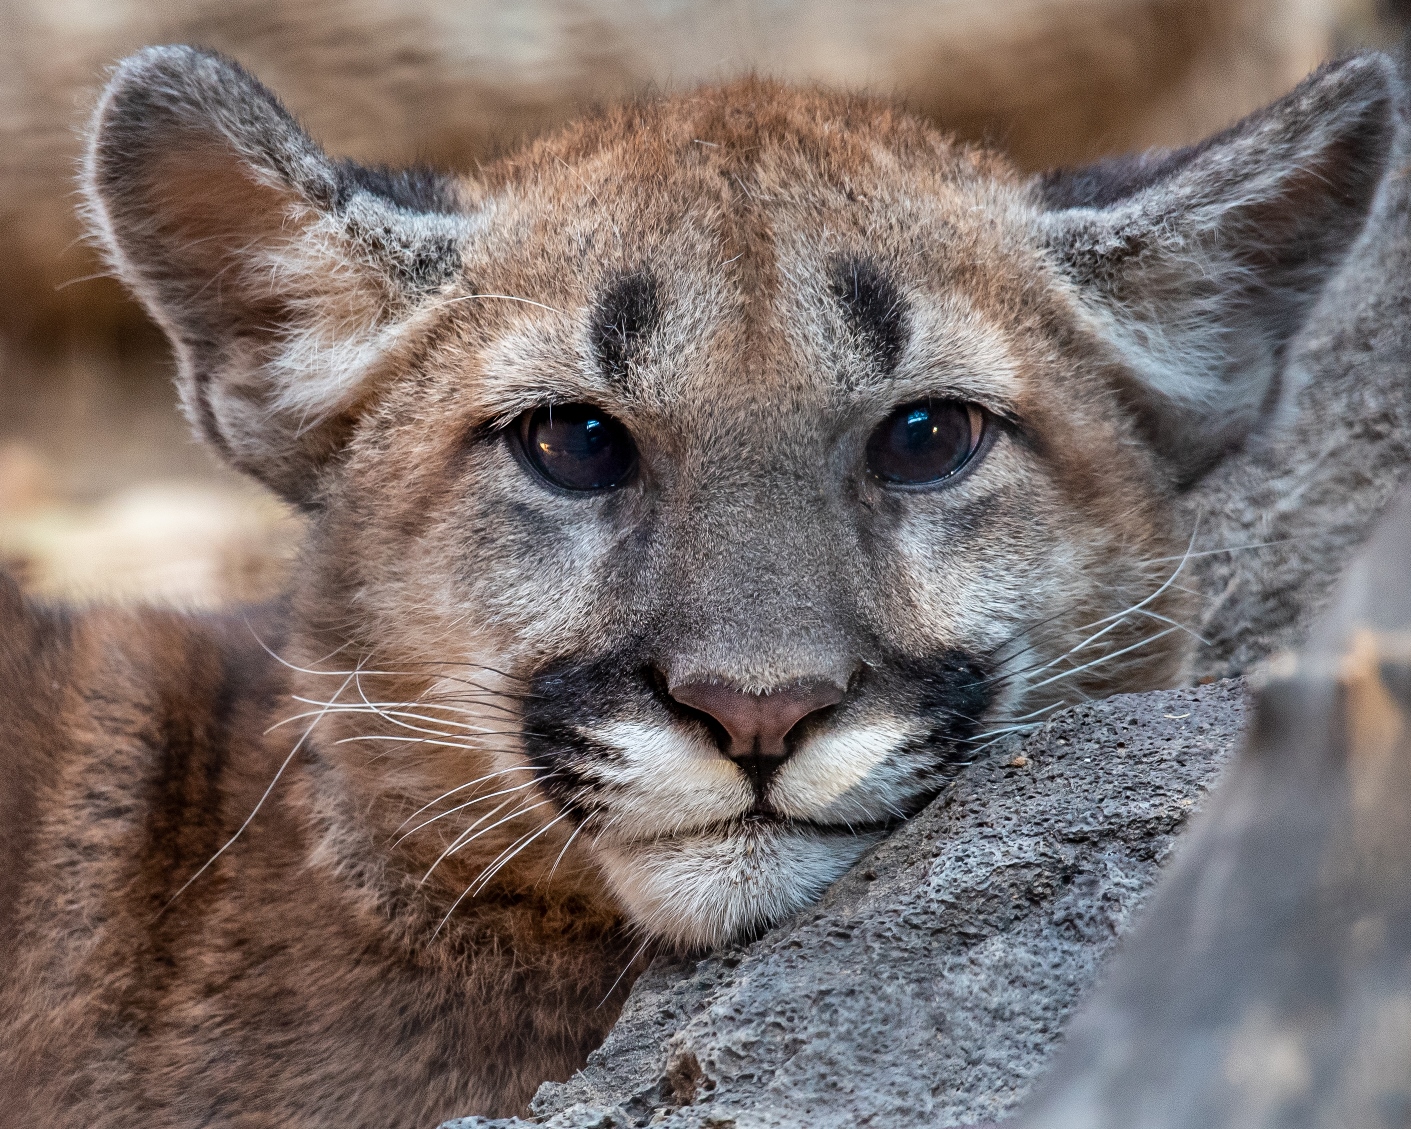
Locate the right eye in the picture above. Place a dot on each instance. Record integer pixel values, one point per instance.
(577, 446)
(925, 443)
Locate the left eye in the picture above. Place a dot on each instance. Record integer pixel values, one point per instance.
(577, 446)
(925, 442)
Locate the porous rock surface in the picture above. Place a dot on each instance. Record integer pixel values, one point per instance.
(931, 984)
(1269, 982)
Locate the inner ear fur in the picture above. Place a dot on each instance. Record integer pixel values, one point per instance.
(1201, 264)
(285, 280)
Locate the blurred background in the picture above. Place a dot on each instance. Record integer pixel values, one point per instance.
(103, 493)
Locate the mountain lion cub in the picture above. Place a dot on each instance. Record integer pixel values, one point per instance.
(690, 494)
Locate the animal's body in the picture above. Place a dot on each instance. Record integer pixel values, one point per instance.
(690, 496)
(134, 750)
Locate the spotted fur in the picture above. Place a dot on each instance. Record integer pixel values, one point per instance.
(393, 849)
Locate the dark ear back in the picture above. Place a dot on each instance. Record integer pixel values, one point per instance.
(1202, 263)
(284, 279)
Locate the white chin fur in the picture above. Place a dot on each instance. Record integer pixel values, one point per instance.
(700, 891)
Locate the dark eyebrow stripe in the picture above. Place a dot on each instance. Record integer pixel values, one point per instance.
(628, 310)
(874, 306)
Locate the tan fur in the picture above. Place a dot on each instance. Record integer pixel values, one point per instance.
(364, 945)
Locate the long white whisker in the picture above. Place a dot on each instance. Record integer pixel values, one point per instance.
(463, 837)
(1148, 614)
(975, 752)
(1227, 549)
(467, 890)
(459, 843)
(285, 662)
(1103, 659)
(346, 708)
(505, 297)
(630, 962)
(1111, 622)
(392, 716)
(442, 744)
(462, 788)
(410, 708)
(1016, 724)
(577, 828)
(508, 854)
(299, 744)
(603, 830)
(468, 804)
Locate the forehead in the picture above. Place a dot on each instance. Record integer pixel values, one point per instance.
(748, 234)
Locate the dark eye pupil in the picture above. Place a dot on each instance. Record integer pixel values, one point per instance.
(924, 442)
(578, 446)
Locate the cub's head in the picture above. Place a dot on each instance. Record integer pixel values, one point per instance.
(694, 491)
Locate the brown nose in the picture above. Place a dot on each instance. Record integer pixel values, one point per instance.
(758, 723)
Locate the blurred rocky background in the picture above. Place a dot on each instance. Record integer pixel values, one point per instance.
(102, 491)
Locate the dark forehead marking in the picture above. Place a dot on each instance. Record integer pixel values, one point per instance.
(628, 310)
(874, 307)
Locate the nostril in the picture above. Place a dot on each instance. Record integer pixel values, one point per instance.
(758, 723)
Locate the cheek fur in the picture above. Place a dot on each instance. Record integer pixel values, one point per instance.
(503, 558)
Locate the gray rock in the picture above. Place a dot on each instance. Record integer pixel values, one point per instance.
(931, 983)
(1270, 982)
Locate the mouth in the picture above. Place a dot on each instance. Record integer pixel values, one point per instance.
(760, 819)
(629, 821)
(761, 823)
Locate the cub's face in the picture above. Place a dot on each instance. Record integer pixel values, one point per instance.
(705, 485)
(774, 498)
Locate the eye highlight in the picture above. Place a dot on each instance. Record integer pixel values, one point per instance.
(925, 442)
(577, 446)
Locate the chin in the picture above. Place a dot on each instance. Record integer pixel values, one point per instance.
(708, 888)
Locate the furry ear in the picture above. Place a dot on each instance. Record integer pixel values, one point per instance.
(284, 279)
(1202, 263)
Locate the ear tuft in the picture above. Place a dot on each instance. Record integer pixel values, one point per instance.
(1202, 263)
(284, 279)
